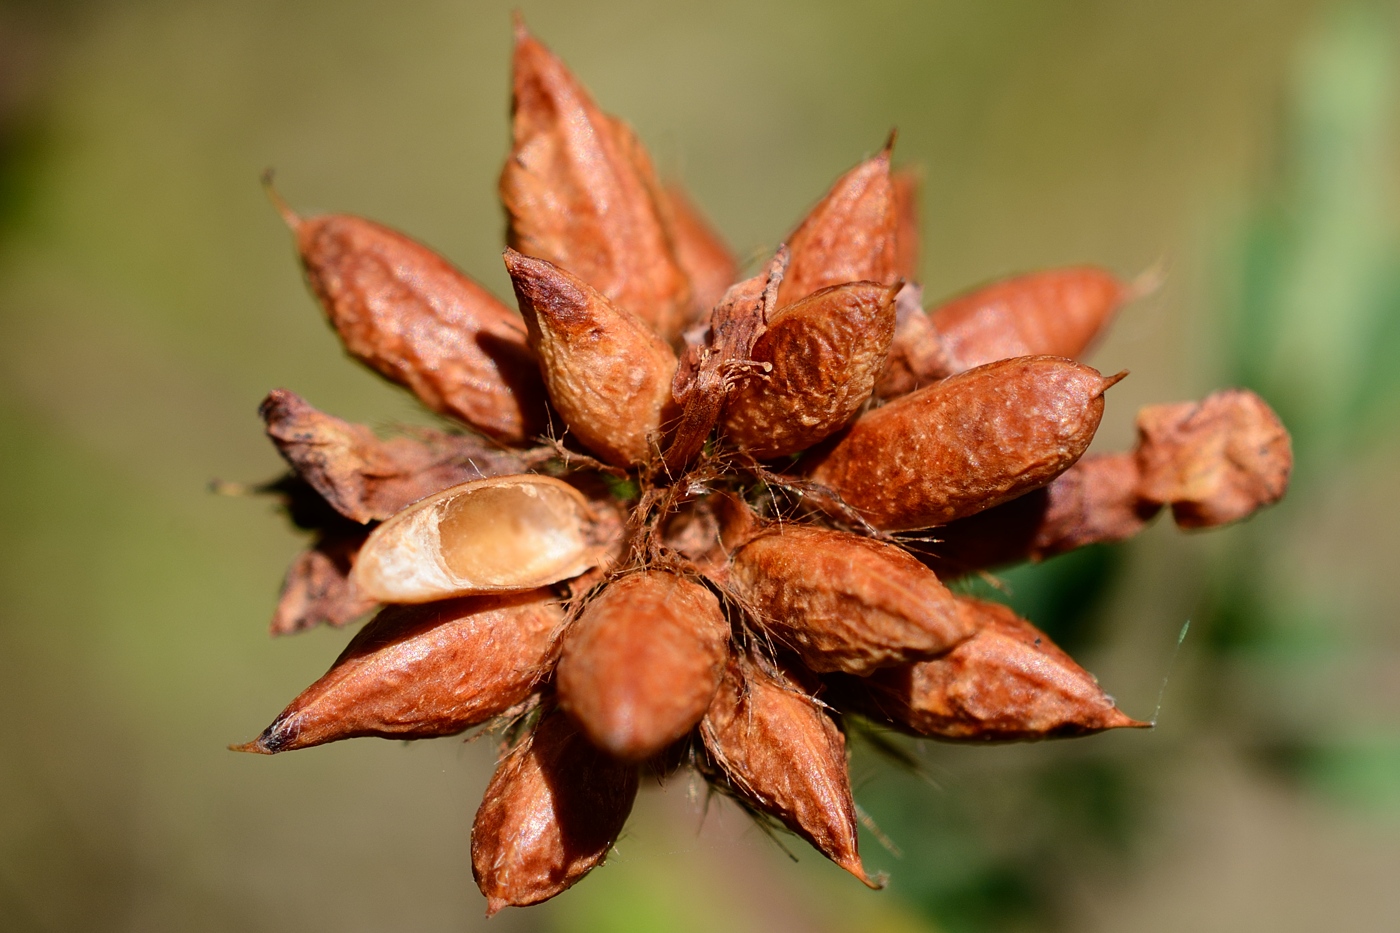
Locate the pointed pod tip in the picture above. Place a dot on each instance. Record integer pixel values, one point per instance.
(494, 905)
(889, 143)
(255, 747)
(853, 865)
(1111, 381)
(1117, 719)
(518, 29)
(289, 217)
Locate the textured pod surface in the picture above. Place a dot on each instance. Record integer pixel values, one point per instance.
(707, 260)
(421, 671)
(1095, 501)
(905, 186)
(843, 602)
(550, 814)
(493, 535)
(967, 443)
(317, 587)
(574, 195)
(848, 237)
(365, 478)
(1054, 313)
(641, 663)
(607, 373)
(1006, 683)
(786, 758)
(824, 354)
(1215, 461)
(405, 312)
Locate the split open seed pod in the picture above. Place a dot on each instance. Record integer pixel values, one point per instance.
(493, 535)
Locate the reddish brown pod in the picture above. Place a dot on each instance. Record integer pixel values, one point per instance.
(967, 443)
(317, 586)
(784, 757)
(552, 811)
(642, 662)
(707, 260)
(1215, 461)
(843, 602)
(423, 671)
(1006, 683)
(574, 193)
(1096, 501)
(405, 312)
(1059, 312)
(849, 236)
(821, 357)
(607, 373)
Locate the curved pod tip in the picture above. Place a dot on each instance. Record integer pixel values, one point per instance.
(494, 535)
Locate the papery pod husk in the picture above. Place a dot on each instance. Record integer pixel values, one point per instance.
(783, 756)
(849, 236)
(642, 661)
(1058, 312)
(843, 602)
(317, 588)
(1096, 501)
(608, 374)
(405, 312)
(822, 355)
(417, 672)
(553, 809)
(1215, 461)
(1008, 682)
(365, 478)
(496, 535)
(967, 443)
(916, 356)
(708, 261)
(574, 196)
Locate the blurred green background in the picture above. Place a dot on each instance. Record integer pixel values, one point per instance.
(149, 298)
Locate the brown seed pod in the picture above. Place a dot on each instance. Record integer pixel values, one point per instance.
(607, 373)
(849, 236)
(823, 355)
(702, 253)
(843, 602)
(503, 534)
(405, 312)
(317, 586)
(1006, 683)
(365, 478)
(916, 356)
(1215, 461)
(642, 662)
(784, 757)
(1095, 501)
(967, 443)
(573, 193)
(906, 185)
(1054, 313)
(551, 812)
(418, 672)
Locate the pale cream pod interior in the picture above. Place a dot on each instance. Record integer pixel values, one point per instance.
(487, 536)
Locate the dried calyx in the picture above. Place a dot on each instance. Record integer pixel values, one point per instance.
(669, 534)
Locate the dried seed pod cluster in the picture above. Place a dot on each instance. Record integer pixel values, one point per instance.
(669, 533)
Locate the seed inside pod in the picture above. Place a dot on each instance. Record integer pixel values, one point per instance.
(606, 371)
(641, 663)
(967, 443)
(843, 602)
(574, 195)
(823, 355)
(1215, 461)
(1058, 312)
(493, 535)
(422, 671)
(786, 758)
(849, 236)
(550, 814)
(1006, 683)
(405, 312)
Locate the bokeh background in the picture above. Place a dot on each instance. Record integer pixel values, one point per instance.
(149, 298)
